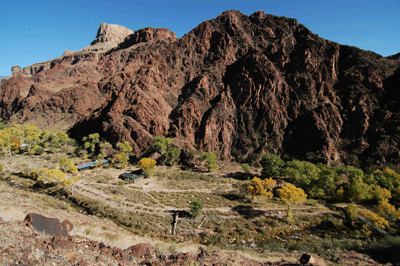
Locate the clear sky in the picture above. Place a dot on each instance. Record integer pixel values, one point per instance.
(39, 30)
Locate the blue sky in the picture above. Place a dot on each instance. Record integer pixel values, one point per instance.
(36, 31)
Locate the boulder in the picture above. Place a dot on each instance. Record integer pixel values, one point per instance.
(141, 250)
(49, 226)
(311, 259)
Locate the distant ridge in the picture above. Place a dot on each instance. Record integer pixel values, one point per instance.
(394, 57)
(5, 77)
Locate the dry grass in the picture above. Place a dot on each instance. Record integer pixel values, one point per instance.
(143, 209)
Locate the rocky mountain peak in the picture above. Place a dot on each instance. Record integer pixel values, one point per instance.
(147, 35)
(111, 33)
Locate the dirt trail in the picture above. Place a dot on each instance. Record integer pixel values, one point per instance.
(152, 185)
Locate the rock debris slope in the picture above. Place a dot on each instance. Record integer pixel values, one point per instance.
(237, 85)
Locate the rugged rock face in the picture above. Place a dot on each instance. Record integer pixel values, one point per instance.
(16, 70)
(237, 85)
(108, 36)
(111, 33)
(147, 35)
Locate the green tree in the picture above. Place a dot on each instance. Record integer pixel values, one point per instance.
(106, 149)
(356, 189)
(171, 156)
(272, 165)
(55, 138)
(161, 144)
(327, 181)
(90, 142)
(246, 169)
(211, 160)
(125, 149)
(196, 207)
(352, 212)
(389, 179)
(301, 173)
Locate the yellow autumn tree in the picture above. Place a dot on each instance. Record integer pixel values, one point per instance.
(380, 193)
(291, 194)
(125, 149)
(374, 218)
(261, 187)
(55, 176)
(387, 210)
(147, 165)
(67, 165)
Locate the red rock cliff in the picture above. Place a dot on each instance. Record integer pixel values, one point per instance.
(237, 85)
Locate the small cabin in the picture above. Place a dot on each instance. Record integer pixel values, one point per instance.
(132, 176)
(90, 165)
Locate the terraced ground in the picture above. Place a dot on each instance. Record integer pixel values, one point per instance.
(147, 209)
(148, 206)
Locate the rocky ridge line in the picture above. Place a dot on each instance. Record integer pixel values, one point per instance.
(236, 85)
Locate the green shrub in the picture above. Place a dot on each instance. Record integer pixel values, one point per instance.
(211, 160)
(195, 207)
(39, 151)
(171, 156)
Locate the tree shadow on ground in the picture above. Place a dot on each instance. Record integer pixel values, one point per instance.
(384, 255)
(247, 211)
(181, 213)
(239, 176)
(232, 196)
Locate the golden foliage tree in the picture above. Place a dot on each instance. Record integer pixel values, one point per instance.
(387, 210)
(261, 187)
(374, 218)
(55, 176)
(125, 149)
(291, 194)
(67, 165)
(147, 165)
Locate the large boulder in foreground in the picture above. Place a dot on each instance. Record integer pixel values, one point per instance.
(141, 250)
(49, 226)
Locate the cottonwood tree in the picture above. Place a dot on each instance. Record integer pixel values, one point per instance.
(52, 176)
(261, 187)
(90, 142)
(31, 136)
(291, 194)
(272, 165)
(67, 165)
(171, 156)
(106, 149)
(161, 144)
(303, 174)
(356, 189)
(125, 149)
(147, 165)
